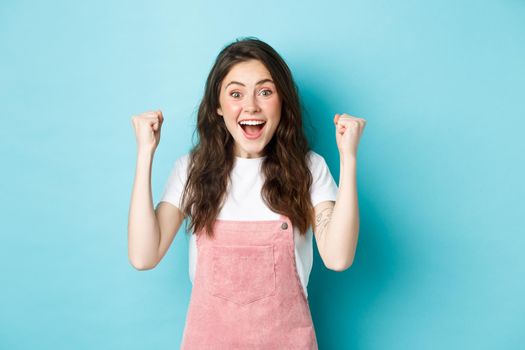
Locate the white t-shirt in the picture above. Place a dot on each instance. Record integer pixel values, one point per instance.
(244, 202)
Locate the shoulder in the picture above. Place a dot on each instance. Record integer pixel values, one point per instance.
(315, 161)
(182, 161)
(185, 158)
(180, 166)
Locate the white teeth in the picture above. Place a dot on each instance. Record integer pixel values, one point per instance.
(251, 122)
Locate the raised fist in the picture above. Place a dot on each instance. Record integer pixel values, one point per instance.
(147, 130)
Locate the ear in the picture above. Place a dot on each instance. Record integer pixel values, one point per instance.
(219, 111)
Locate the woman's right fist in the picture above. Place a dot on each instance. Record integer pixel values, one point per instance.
(147, 130)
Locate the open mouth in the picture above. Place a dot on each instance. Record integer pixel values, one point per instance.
(252, 128)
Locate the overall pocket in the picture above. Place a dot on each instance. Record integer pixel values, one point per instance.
(242, 274)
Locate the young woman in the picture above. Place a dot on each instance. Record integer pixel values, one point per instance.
(255, 194)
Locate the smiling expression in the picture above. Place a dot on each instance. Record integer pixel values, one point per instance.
(248, 96)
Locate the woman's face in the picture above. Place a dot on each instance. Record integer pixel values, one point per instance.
(248, 96)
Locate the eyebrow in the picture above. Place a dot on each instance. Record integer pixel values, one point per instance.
(258, 83)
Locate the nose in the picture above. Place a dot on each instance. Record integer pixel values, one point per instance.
(251, 105)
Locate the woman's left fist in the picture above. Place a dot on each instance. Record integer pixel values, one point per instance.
(348, 130)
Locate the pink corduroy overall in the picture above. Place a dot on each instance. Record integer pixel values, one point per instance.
(247, 293)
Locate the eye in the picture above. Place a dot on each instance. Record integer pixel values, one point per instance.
(267, 90)
(234, 92)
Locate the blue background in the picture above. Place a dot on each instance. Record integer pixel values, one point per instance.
(440, 261)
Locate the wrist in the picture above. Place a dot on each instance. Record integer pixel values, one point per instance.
(145, 154)
(348, 158)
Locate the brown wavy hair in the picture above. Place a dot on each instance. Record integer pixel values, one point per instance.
(287, 177)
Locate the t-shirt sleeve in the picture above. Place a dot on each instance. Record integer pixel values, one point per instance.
(172, 192)
(323, 187)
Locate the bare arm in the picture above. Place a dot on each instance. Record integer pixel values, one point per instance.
(143, 225)
(336, 226)
(150, 232)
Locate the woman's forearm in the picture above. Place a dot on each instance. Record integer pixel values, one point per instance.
(343, 229)
(143, 227)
